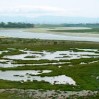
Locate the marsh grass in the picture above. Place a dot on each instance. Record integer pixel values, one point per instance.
(33, 61)
(84, 74)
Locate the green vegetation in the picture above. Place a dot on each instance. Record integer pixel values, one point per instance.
(68, 62)
(33, 61)
(93, 25)
(48, 45)
(11, 52)
(85, 75)
(30, 57)
(93, 30)
(16, 25)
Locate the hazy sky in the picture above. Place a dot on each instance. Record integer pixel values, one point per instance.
(33, 8)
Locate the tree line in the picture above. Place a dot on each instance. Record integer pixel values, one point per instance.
(92, 25)
(16, 25)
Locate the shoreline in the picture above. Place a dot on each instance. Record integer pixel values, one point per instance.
(45, 30)
(47, 35)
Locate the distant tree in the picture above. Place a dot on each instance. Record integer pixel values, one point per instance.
(2, 24)
(16, 25)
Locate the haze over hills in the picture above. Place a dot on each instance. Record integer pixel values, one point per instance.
(49, 19)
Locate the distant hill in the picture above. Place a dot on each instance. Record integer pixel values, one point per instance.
(15, 19)
(62, 19)
(49, 19)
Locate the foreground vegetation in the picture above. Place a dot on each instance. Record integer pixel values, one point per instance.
(49, 45)
(85, 75)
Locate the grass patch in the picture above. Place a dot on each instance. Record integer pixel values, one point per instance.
(93, 30)
(84, 74)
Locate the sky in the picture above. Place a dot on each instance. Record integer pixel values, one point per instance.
(35, 8)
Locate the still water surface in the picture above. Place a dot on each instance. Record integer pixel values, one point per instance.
(22, 34)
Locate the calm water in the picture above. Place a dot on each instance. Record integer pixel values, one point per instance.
(57, 55)
(7, 60)
(22, 34)
(32, 75)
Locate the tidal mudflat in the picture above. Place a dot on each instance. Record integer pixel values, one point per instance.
(48, 35)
